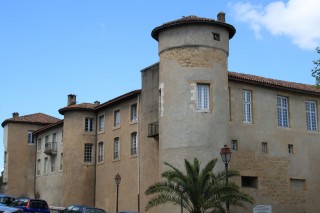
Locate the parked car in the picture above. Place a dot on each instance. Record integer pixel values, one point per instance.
(9, 209)
(31, 205)
(82, 209)
(6, 200)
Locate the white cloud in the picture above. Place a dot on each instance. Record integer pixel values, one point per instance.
(297, 19)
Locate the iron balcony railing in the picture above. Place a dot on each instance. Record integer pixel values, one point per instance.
(153, 129)
(50, 148)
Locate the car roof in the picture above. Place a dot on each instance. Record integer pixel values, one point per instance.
(4, 195)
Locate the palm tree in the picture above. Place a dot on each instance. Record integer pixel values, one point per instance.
(203, 190)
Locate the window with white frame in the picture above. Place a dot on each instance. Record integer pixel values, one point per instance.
(38, 166)
(203, 96)
(39, 144)
(116, 118)
(234, 145)
(100, 152)
(311, 114)
(30, 137)
(134, 144)
(45, 166)
(53, 163)
(264, 147)
(283, 109)
(88, 124)
(247, 106)
(88, 152)
(290, 148)
(116, 148)
(133, 113)
(101, 123)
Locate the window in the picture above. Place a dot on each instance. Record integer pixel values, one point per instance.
(45, 166)
(246, 106)
(89, 124)
(203, 96)
(133, 113)
(264, 147)
(116, 148)
(161, 101)
(290, 148)
(61, 161)
(39, 144)
(311, 114)
(100, 152)
(46, 140)
(54, 137)
(249, 182)
(283, 117)
(234, 145)
(38, 166)
(101, 123)
(30, 137)
(53, 163)
(116, 118)
(133, 143)
(88, 153)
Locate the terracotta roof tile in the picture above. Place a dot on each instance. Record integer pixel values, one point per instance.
(49, 126)
(37, 118)
(77, 107)
(187, 20)
(279, 84)
(119, 98)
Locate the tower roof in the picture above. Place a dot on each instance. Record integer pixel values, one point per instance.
(77, 107)
(37, 118)
(192, 20)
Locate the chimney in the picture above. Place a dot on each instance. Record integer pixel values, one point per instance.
(15, 114)
(72, 99)
(96, 103)
(221, 17)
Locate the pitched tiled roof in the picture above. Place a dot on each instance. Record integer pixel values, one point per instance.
(188, 20)
(77, 107)
(49, 126)
(120, 98)
(279, 84)
(37, 118)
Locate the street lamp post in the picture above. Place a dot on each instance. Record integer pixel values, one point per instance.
(226, 157)
(181, 189)
(117, 179)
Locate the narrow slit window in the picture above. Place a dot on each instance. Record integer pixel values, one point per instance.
(247, 106)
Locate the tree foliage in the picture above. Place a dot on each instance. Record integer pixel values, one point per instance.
(316, 69)
(203, 189)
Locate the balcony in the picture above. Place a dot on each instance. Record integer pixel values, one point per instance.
(50, 148)
(153, 129)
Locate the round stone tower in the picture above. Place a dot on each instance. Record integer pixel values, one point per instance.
(193, 88)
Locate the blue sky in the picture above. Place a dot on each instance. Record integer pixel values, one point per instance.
(96, 49)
